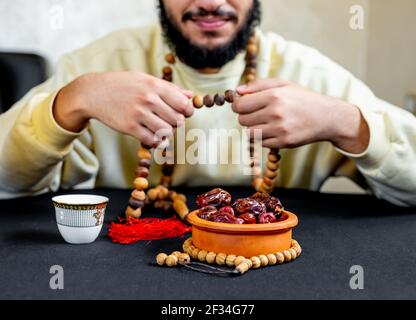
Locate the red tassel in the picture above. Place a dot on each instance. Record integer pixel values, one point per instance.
(134, 230)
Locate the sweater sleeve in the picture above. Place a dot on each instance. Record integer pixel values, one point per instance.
(33, 146)
(388, 164)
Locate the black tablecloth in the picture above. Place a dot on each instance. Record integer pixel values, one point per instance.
(335, 231)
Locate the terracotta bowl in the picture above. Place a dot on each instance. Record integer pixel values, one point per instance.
(244, 240)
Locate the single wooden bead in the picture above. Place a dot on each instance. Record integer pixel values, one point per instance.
(189, 250)
(161, 259)
(144, 154)
(153, 194)
(188, 241)
(238, 260)
(163, 192)
(133, 213)
(186, 247)
(135, 204)
(280, 257)
(269, 182)
(293, 253)
(294, 243)
(181, 209)
(220, 259)
(194, 253)
(202, 255)
(167, 71)
(141, 172)
(271, 174)
(265, 189)
(138, 195)
(219, 99)
(176, 253)
(250, 77)
(171, 261)
(179, 197)
(242, 268)
(198, 102)
(256, 262)
(167, 77)
(272, 157)
(272, 259)
(248, 261)
(251, 70)
(209, 101)
(272, 166)
(229, 96)
(252, 63)
(170, 58)
(263, 260)
(230, 260)
(257, 182)
(146, 163)
(141, 183)
(137, 213)
(288, 255)
(252, 50)
(210, 258)
(298, 251)
(184, 258)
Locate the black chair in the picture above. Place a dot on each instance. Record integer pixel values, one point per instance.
(19, 72)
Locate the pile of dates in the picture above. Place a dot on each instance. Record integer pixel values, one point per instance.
(217, 206)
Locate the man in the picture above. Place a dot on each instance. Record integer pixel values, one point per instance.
(81, 127)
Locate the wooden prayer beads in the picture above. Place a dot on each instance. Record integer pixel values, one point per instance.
(218, 99)
(272, 166)
(240, 264)
(138, 196)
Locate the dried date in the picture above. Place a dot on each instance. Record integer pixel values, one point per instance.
(216, 198)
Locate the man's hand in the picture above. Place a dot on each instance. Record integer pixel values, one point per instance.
(291, 116)
(129, 102)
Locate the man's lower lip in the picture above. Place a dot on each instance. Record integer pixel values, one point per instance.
(210, 25)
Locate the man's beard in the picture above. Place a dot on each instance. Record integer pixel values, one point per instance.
(199, 57)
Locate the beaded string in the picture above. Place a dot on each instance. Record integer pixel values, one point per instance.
(161, 196)
(240, 264)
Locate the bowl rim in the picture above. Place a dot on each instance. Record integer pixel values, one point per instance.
(289, 222)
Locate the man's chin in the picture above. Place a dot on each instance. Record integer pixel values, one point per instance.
(209, 41)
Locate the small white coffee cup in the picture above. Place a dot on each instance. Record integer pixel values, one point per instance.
(80, 217)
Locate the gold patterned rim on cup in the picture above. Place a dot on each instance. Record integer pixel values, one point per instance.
(80, 202)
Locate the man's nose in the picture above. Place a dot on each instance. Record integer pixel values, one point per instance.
(209, 5)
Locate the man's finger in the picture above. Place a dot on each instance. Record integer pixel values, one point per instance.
(253, 119)
(266, 131)
(261, 85)
(145, 136)
(251, 103)
(177, 99)
(168, 114)
(272, 143)
(154, 123)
